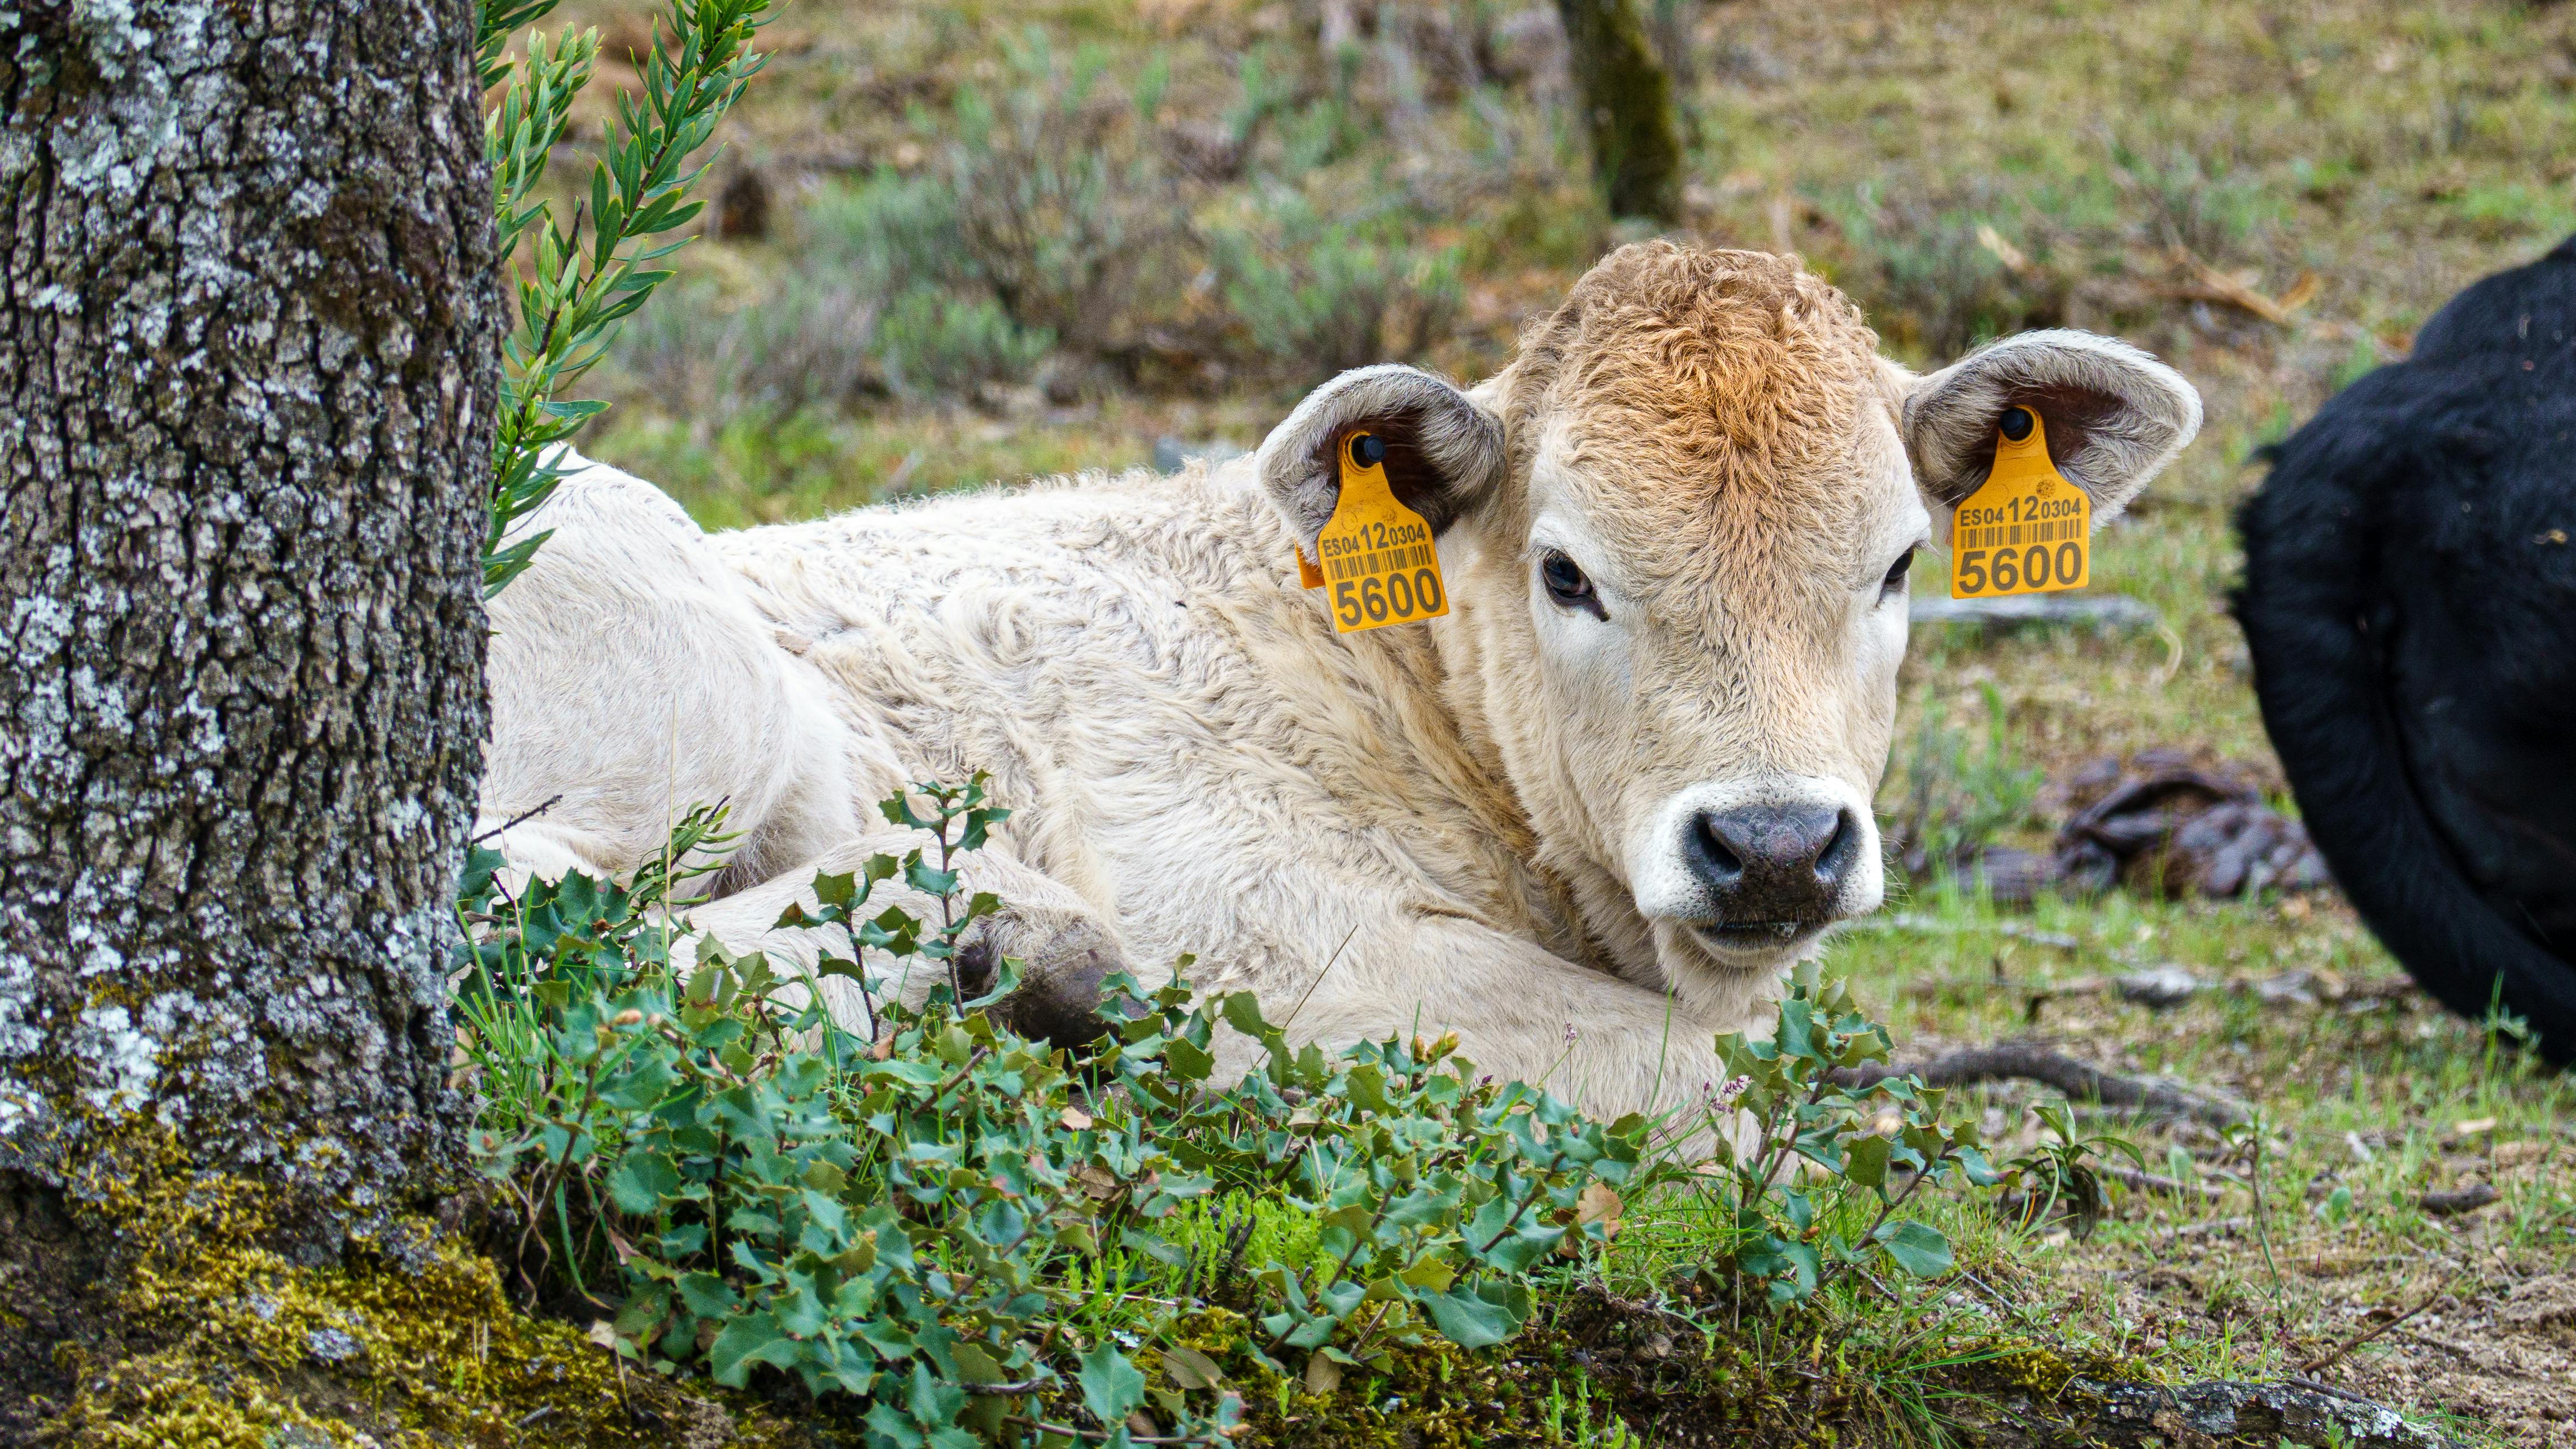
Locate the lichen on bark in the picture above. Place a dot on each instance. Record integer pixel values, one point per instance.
(246, 366)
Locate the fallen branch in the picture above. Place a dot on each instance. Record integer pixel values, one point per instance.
(2158, 1182)
(2006, 1061)
(2230, 1413)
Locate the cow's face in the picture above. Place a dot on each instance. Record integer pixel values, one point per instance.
(1677, 531)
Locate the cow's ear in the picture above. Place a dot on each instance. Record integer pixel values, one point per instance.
(1444, 454)
(2114, 416)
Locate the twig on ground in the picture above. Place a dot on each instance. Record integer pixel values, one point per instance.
(2458, 1200)
(2158, 1182)
(2008, 1060)
(2340, 1351)
(2206, 283)
(1935, 926)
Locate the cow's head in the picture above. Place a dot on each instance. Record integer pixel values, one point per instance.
(1676, 531)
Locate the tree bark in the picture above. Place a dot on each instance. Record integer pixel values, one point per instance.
(246, 371)
(1627, 108)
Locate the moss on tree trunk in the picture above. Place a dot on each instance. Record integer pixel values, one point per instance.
(1627, 108)
(246, 382)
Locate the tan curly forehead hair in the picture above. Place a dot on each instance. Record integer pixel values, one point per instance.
(1708, 395)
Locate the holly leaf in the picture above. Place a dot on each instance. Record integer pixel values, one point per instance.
(1918, 1249)
(1111, 1387)
(642, 1181)
(1470, 1321)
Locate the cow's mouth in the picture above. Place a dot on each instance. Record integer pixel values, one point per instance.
(1752, 935)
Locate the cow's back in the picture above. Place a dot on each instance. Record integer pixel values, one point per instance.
(631, 681)
(1182, 737)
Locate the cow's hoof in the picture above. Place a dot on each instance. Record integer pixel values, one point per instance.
(1064, 956)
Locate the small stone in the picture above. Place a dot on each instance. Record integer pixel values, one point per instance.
(330, 1345)
(2159, 987)
(2288, 988)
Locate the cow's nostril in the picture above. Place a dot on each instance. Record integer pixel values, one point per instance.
(1711, 858)
(1835, 860)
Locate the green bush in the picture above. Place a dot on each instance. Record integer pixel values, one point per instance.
(1066, 212)
(1931, 278)
(961, 1236)
(922, 1219)
(1316, 294)
(932, 341)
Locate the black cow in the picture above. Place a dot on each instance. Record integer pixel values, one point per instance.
(2410, 597)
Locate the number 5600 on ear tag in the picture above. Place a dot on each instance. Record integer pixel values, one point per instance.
(1377, 555)
(2026, 530)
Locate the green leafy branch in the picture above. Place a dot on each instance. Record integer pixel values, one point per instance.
(587, 273)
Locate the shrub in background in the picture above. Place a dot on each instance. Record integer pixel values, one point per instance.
(1066, 211)
(1316, 294)
(1940, 275)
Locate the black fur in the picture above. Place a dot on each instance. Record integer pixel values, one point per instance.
(2410, 600)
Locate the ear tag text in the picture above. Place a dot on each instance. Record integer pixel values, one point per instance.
(1377, 557)
(2026, 530)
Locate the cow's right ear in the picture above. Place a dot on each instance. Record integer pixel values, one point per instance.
(1444, 454)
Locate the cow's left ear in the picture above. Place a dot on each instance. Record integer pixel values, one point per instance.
(1444, 454)
(2114, 415)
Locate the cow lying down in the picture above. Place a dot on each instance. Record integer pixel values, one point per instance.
(1585, 820)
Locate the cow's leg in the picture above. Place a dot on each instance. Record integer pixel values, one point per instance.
(632, 681)
(1521, 1014)
(1066, 948)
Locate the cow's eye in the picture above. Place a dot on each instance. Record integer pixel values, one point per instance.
(1896, 572)
(1567, 585)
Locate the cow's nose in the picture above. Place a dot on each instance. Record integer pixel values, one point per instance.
(1772, 864)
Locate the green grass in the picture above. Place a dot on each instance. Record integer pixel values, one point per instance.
(2393, 155)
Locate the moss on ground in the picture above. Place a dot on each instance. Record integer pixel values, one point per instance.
(409, 1340)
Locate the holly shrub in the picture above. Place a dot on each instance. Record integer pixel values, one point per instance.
(949, 1234)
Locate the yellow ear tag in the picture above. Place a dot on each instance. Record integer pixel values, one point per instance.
(1377, 554)
(2026, 530)
(1308, 576)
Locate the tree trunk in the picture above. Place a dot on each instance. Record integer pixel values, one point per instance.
(246, 380)
(1627, 108)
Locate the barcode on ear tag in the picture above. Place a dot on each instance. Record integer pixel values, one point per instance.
(1379, 563)
(2026, 530)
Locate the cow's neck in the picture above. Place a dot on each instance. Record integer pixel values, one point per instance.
(1434, 676)
(1593, 913)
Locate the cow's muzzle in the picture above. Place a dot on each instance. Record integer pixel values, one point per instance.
(1768, 873)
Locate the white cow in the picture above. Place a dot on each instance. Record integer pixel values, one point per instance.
(1585, 820)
